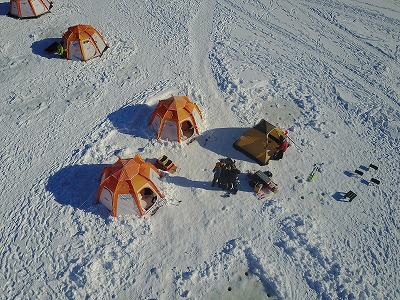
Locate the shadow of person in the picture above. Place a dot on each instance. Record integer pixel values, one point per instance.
(185, 182)
(77, 187)
(39, 48)
(133, 120)
(243, 184)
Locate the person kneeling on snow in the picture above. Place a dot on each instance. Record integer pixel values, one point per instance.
(283, 145)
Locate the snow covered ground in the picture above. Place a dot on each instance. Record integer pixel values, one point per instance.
(328, 71)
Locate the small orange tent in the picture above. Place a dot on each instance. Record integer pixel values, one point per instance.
(29, 8)
(176, 118)
(130, 186)
(82, 42)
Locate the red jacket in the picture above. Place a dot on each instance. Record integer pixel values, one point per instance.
(283, 147)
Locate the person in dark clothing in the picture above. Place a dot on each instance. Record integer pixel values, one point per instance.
(223, 178)
(229, 162)
(217, 174)
(233, 174)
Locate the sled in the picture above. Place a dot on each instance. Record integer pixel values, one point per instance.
(260, 181)
(165, 164)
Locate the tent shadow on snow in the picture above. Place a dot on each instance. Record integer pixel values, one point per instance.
(220, 141)
(39, 47)
(77, 187)
(4, 8)
(133, 120)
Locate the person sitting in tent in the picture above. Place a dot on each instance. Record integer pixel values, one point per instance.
(150, 194)
(283, 145)
(187, 129)
(148, 197)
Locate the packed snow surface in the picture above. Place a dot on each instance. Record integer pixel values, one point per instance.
(327, 71)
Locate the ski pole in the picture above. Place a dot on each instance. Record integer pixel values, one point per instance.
(294, 143)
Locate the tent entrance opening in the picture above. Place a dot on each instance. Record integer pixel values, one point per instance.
(187, 129)
(147, 198)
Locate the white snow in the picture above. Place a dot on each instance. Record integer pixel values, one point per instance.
(328, 71)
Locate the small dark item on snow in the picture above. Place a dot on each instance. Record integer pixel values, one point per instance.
(191, 141)
(226, 195)
(351, 195)
(154, 211)
(359, 172)
(376, 181)
(373, 167)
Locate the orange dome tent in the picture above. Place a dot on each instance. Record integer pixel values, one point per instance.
(82, 42)
(29, 8)
(130, 186)
(176, 118)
